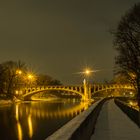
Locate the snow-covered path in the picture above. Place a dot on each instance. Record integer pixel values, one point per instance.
(113, 124)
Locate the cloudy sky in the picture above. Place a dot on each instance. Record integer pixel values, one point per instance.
(61, 37)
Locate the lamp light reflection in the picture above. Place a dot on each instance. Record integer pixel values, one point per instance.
(30, 125)
(19, 129)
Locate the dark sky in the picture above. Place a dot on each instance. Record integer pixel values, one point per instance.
(61, 37)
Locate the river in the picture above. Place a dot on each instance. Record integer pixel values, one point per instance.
(36, 120)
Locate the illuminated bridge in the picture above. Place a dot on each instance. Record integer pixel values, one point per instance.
(85, 90)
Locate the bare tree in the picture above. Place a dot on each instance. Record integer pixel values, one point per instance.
(127, 43)
(45, 80)
(9, 76)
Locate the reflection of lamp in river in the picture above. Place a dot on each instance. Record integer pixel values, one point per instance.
(19, 129)
(67, 112)
(30, 126)
(17, 116)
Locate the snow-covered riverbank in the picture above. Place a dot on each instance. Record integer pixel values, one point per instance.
(5, 102)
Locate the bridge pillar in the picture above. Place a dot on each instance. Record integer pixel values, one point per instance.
(94, 88)
(89, 92)
(86, 90)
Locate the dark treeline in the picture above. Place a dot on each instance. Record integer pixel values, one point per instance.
(16, 75)
(127, 44)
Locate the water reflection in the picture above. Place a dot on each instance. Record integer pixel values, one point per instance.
(37, 120)
(19, 129)
(30, 125)
(37, 110)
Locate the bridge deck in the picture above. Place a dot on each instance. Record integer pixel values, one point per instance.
(113, 124)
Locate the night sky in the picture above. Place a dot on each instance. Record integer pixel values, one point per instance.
(61, 37)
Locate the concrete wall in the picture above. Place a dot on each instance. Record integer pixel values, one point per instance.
(133, 114)
(81, 127)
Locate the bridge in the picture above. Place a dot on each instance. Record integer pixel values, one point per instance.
(85, 90)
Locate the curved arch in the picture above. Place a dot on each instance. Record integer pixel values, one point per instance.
(114, 87)
(75, 89)
(28, 95)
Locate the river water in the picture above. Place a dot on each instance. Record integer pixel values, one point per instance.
(36, 120)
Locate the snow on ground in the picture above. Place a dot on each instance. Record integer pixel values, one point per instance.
(113, 124)
(5, 102)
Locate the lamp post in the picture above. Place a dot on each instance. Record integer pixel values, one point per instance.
(87, 90)
(30, 78)
(87, 87)
(18, 74)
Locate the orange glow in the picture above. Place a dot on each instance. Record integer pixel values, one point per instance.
(19, 131)
(87, 71)
(30, 126)
(18, 72)
(30, 76)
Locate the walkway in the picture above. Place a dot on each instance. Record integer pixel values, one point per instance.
(113, 124)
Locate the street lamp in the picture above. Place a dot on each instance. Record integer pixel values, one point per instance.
(87, 89)
(30, 78)
(87, 92)
(18, 74)
(87, 71)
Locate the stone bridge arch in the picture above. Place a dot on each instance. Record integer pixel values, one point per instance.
(101, 88)
(32, 91)
(84, 91)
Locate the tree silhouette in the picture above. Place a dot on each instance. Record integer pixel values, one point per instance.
(9, 75)
(127, 43)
